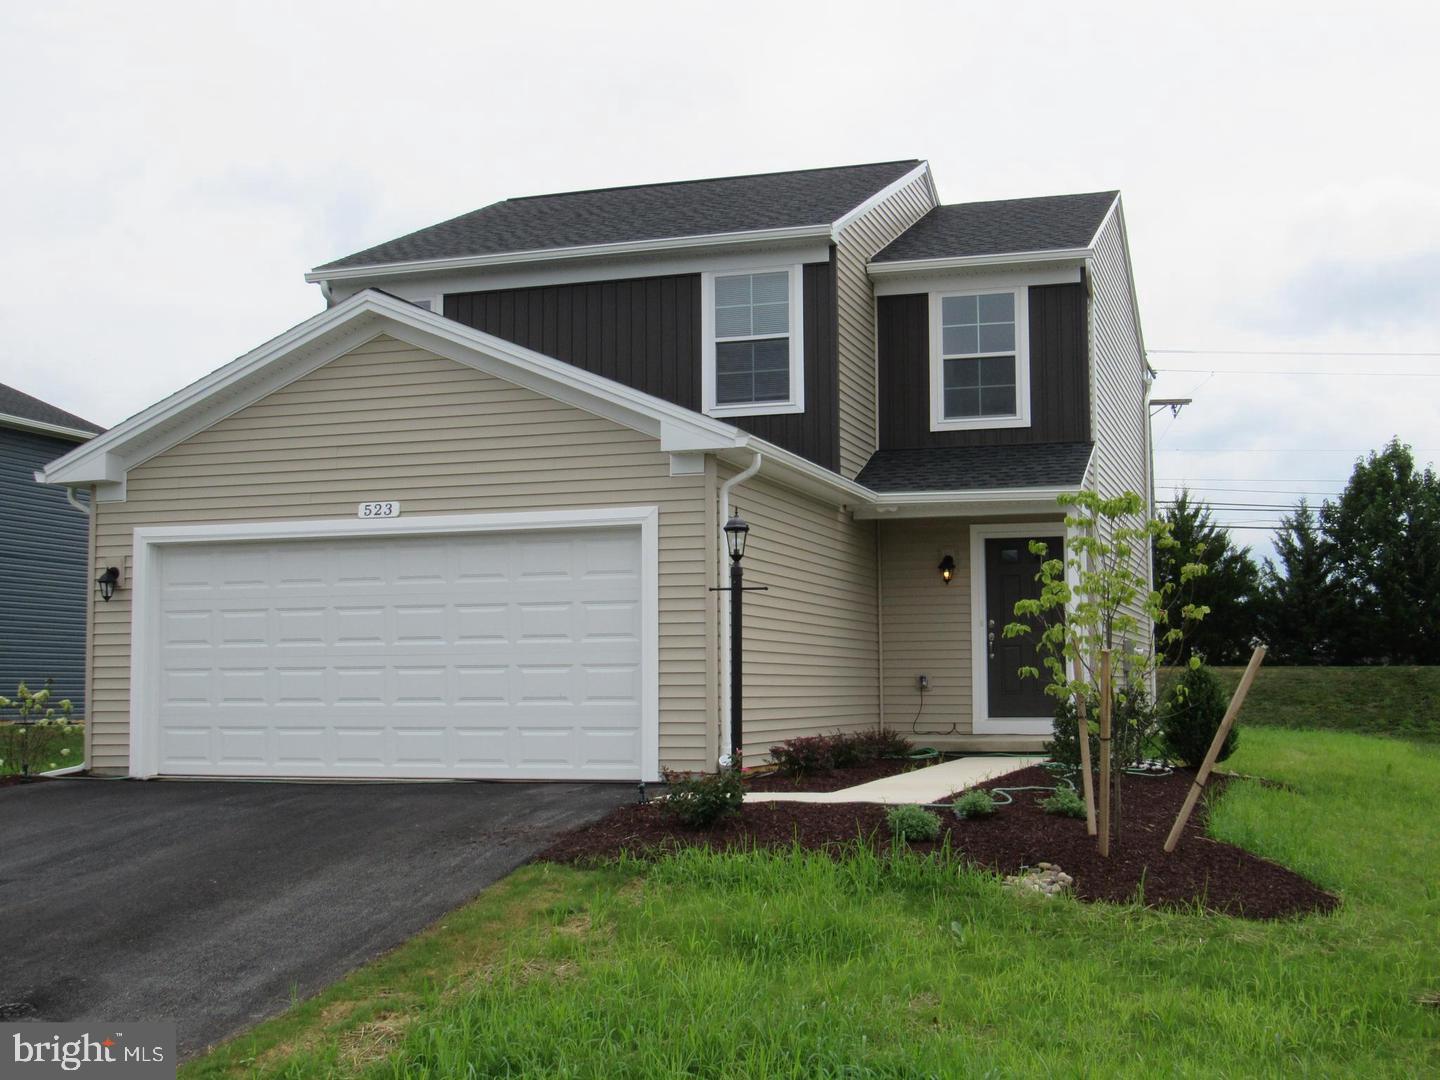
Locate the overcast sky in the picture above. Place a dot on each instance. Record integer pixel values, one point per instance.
(172, 169)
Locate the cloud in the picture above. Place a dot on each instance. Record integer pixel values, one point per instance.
(1395, 294)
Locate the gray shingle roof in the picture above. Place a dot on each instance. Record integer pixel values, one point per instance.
(648, 212)
(976, 468)
(17, 403)
(999, 228)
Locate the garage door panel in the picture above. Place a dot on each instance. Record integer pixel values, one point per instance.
(488, 655)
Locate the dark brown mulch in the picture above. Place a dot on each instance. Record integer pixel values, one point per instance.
(9, 779)
(834, 779)
(1216, 876)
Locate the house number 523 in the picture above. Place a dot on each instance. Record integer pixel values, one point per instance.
(379, 509)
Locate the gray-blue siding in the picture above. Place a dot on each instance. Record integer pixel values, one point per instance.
(44, 579)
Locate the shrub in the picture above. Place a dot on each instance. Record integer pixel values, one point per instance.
(912, 823)
(821, 753)
(701, 800)
(1066, 802)
(30, 740)
(807, 754)
(1194, 706)
(880, 743)
(1134, 726)
(976, 803)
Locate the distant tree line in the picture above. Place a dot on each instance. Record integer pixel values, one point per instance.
(1357, 580)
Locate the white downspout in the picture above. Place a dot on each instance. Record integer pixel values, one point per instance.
(738, 478)
(70, 498)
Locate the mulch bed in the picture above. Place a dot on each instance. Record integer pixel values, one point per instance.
(833, 779)
(1219, 877)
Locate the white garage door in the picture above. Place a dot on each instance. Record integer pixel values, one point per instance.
(500, 655)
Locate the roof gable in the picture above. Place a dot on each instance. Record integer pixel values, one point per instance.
(331, 334)
(649, 212)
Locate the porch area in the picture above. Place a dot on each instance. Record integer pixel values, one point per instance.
(948, 585)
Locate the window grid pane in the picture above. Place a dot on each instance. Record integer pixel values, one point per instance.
(979, 387)
(752, 372)
(977, 324)
(752, 305)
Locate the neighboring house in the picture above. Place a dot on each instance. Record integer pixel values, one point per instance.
(466, 521)
(43, 552)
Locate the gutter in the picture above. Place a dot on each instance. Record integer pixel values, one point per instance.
(725, 660)
(583, 251)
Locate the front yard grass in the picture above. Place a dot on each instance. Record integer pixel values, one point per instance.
(798, 965)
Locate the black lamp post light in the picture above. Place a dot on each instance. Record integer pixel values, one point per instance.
(737, 532)
(107, 582)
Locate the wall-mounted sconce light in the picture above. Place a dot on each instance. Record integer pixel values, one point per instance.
(947, 568)
(107, 582)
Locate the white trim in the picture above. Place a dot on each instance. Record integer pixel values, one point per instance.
(879, 197)
(981, 278)
(332, 333)
(580, 251)
(1021, 418)
(145, 585)
(621, 268)
(982, 723)
(795, 402)
(43, 428)
(961, 262)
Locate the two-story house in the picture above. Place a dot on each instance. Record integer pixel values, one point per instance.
(466, 521)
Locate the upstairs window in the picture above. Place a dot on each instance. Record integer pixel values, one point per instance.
(752, 349)
(979, 360)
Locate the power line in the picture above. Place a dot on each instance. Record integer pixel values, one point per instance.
(1271, 371)
(1277, 450)
(1282, 352)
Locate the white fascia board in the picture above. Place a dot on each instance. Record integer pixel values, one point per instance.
(923, 169)
(911, 504)
(585, 251)
(40, 427)
(430, 286)
(332, 333)
(963, 262)
(1067, 273)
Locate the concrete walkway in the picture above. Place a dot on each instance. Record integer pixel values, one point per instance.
(927, 785)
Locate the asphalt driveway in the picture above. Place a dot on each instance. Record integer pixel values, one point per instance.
(215, 904)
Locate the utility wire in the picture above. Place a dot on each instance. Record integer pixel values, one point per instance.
(1281, 352)
(1271, 371)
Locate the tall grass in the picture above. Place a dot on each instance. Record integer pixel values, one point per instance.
(790, 964)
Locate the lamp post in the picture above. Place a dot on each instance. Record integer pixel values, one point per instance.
(736, 532)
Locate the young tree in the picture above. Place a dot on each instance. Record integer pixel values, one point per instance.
(1229, 588)
(1384, 536)
(1097, 599)
(1301, 610)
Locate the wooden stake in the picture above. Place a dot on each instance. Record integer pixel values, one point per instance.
(1193, 795)
(1087, 781)
(1104, 823)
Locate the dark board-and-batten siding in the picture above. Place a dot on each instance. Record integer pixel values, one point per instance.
(1059, 373)
(645, 333)
(44, 580)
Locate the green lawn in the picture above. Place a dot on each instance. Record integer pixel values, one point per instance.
(73, 741)
(1399, 701)
(798, 966)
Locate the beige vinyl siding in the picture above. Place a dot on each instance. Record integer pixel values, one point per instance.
(388, 421)
(926, 625)
(811, 651)
(855, 303)
(1121, 416)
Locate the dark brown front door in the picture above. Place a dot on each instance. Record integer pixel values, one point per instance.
(1010, 571)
